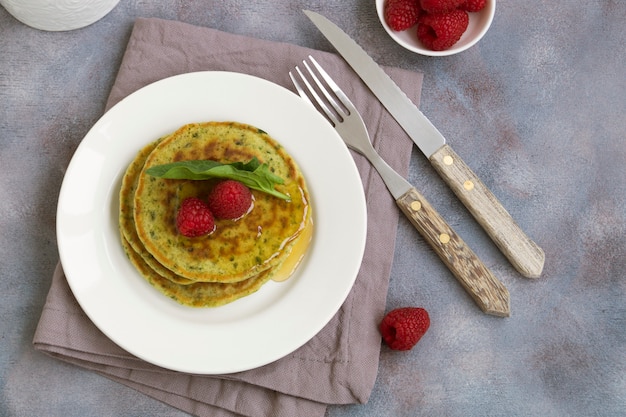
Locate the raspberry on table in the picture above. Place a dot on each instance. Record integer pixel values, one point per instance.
(401, 14)
(229, 199)
(403, 327)
(194, 218)
(440, 31)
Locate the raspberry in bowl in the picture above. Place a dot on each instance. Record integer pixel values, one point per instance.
(436, 27)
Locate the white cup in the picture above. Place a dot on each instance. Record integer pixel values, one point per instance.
(58, 15)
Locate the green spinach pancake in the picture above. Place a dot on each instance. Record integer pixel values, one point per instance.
(240, 255)
(198, 294)
(127, 218)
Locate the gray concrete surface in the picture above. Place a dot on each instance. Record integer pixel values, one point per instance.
(536, 109)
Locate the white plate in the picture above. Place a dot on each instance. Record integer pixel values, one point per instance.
(252, 331)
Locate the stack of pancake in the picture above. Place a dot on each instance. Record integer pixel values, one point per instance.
(240, 255)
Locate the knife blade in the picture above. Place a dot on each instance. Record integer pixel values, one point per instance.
(524, 254)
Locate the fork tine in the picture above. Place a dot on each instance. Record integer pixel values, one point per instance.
(299, 88)
(331, 100)
(333, 86)
(317, 98)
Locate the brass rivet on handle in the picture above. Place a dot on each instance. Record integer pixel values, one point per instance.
(468, 185)
(448, 160)
(444, 238)
(416, 206)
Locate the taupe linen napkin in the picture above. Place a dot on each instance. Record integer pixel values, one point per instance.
(339, 365)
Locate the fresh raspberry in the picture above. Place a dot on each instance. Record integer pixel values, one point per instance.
(194, 218)
(473, 5)
(440, 6)
(401, 14)
(230, 199)
(442, 30)
(403, 327)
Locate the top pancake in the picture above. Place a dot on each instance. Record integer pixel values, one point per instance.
(236, 250)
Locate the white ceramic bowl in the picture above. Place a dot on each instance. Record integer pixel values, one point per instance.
(58, 15)
(479, 23)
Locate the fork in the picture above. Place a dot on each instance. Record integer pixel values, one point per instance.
(486, 290)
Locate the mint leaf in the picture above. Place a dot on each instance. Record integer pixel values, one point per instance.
(253, 174)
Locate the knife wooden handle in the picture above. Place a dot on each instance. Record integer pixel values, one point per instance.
(487, 291)
(522, 252)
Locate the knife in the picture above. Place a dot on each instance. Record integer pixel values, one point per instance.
(524, 254)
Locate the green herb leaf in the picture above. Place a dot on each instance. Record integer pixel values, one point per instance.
(253, 174)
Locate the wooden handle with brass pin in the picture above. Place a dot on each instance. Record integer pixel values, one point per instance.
(520, 250)
(487, 291)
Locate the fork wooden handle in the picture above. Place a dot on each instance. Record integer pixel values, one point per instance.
(487, 291)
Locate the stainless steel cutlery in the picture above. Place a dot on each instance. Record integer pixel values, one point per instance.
(524, 254)
(486, 290)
